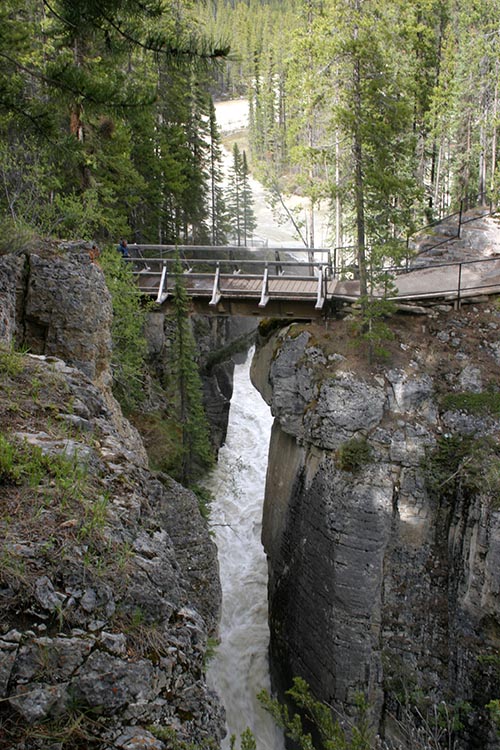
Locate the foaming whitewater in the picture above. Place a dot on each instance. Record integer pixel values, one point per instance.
(240, 667)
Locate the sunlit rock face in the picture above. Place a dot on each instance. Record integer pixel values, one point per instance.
(62, 306)
(382, 519)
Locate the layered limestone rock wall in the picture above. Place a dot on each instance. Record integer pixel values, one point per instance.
(382, 515)
(109, 586)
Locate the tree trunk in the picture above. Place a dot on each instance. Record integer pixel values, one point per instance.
(359, 198)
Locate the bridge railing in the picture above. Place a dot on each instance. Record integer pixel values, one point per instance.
(344, 257)
(217, 277)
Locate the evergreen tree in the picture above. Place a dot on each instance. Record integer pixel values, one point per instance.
(234, 201)
(240, 200)
(218, 211)
(80, 109)
(197, 453)
(129, 319)
(248, 220)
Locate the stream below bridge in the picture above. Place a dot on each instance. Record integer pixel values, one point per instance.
(240, 667)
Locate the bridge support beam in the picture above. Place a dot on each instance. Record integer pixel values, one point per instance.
(321, 295)
(264, 297)
(216, 293)
(162, 295)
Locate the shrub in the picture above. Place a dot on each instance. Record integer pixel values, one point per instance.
(354, 454)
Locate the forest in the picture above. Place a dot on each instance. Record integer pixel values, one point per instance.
(383, 110)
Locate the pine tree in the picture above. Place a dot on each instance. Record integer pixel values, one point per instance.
(234, 201)
(240, 200)
(197, 453)
(248, 220)
(218, 211)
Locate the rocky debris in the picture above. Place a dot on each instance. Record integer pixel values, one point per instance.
(117, 621)
(382, 570)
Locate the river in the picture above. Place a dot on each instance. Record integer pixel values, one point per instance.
(240, 668)
(272, 226)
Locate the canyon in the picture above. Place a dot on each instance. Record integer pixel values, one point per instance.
(381, 520)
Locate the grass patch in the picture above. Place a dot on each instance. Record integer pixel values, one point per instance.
(11, 362)
(486, 403)
(25, 464)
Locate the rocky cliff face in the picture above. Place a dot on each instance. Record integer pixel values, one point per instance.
(219, 341)
(382, 516)
(108, 577)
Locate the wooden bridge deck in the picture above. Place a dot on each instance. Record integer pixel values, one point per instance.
(296, 283)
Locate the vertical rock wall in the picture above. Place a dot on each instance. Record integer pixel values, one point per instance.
(381, 581)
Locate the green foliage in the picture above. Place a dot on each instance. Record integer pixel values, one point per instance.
(486, 403)
(102, 118)
(127, 331)
(354, 455)
(328, 732)
(370, 326)
(11, 362)
(205, 499)
(25, 464)
(494, 709)
(240, 203)
(461, 463)
(161, 434)
(197, 454)
(169, 735)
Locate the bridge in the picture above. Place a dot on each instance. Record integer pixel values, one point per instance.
(295, 282)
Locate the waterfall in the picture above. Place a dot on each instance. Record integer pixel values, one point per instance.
(240, 667)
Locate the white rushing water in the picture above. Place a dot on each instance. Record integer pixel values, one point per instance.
(240, 667)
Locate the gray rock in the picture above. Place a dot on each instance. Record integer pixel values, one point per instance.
(345, 406)
(39, 701)
(138, 739)
(51, 659)
(115, 643)
(45, 594)
(108, 684)
(470, 379)
(375, 575)
(10, 273)
(8, 654)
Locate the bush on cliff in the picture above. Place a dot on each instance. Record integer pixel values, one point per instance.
(129, 318)
(329, 734)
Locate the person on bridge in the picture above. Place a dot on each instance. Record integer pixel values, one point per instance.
(123, 249)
